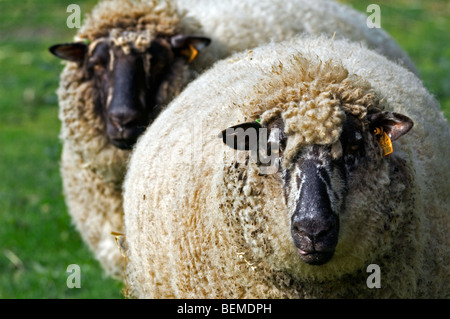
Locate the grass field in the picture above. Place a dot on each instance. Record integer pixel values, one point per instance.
(36, 236)
(37, 239)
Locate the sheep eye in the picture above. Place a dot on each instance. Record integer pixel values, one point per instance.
(96, 64)
(352, 148)
(98, 68)
(95, 67)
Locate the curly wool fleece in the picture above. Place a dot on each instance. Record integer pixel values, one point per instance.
(312, 102)
(232, 237)
(232, 25)
(131, 16)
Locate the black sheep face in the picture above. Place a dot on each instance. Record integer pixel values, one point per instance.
(127, 83)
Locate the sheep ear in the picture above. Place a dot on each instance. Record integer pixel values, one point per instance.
(394, 124)
(74, 52)
(189, 46)
(243, 137)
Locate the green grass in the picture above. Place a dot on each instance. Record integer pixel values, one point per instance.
(37, 239)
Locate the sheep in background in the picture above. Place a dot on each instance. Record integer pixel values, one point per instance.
(135, 60)
(202, 222)
(241, 25)
(109, 96)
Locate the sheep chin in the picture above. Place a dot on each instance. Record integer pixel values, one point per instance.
(123, 144)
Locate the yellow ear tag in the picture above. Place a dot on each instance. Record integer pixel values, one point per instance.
(385, 141)
(386, 144)
(190, 53)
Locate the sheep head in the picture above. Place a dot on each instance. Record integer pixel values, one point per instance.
(316, 176)
(131, 73)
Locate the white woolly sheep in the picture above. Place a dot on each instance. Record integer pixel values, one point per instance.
(241, 25)
(108, 96)
(205, 221)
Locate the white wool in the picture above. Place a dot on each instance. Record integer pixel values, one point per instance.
(238, 25)
(198, 226)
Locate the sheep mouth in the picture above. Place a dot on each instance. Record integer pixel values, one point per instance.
(315, 257)
(125, 139)
(123, 144)
(124, 136)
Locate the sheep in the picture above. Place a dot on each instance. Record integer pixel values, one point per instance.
(357, 181)
(110, 90)
(242, 25)
(128, 60)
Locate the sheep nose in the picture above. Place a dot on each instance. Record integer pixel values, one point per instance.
(311, 231)
(124, 128)
(315, 241)
(122, 120)
(315, 233)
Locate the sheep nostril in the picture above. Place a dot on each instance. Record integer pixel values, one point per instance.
(323, 233)
(116, 120)
(300, 232)
(312, 234)
(297, 229)
(117, 125)
(123, 121)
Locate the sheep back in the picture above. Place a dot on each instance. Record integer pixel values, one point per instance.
(238, 25)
